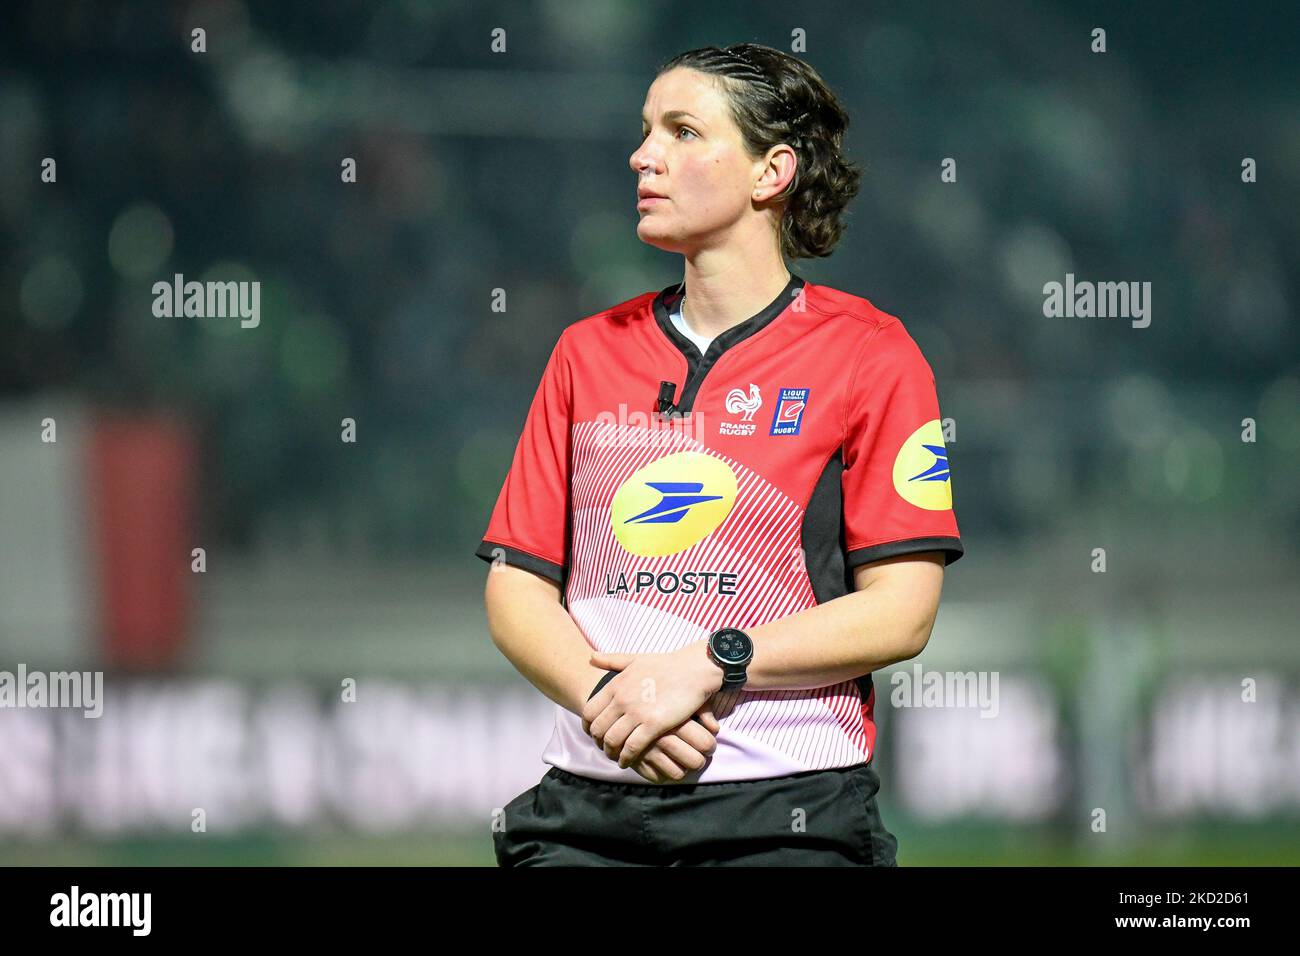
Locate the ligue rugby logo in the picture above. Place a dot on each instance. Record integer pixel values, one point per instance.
(738, 402)
(672, 503)
(921, 469)
(790, 405)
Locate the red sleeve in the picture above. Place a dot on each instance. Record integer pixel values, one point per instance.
(529, 525)
(897, 491)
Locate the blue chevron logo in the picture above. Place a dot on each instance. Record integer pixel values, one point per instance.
(939, 470)
(678, 497)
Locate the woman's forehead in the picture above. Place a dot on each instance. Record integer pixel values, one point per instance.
(684, 89)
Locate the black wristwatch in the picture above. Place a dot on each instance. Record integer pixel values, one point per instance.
(732, 650)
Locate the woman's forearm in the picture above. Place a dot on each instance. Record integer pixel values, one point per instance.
(845, 638)
(536, 634)
(879, 625)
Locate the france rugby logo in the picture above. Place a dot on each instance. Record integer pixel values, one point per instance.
(789, 411)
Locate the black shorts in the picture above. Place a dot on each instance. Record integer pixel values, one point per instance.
(815, 818)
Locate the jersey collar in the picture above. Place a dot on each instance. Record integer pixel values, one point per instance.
(667, 299)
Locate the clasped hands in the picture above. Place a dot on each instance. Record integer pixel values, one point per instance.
(644, 718)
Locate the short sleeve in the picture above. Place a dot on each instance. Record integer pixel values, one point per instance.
(896, 485)
(529, 524)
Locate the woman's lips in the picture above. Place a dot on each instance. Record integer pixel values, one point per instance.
(649, 201)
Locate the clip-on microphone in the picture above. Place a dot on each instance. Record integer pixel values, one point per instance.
(664, 405)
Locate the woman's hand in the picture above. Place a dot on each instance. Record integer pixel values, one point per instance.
(685, 750)
(652, 694)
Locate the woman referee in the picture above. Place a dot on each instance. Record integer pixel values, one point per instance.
(729, 505)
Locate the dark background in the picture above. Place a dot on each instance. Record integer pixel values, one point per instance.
(480, 171)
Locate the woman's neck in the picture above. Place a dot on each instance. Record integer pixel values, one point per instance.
(722, 297)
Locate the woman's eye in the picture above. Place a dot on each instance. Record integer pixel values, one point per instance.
(680, 129)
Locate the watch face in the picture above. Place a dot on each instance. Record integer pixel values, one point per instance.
(732, 647)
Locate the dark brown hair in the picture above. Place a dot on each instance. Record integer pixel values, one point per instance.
(777, 98)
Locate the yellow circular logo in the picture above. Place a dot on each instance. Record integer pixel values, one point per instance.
(921, 469)
(672, 503)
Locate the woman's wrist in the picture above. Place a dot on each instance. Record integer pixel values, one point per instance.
(708, 674)
(581, 687)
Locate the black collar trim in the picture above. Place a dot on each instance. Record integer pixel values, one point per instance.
(668, 298)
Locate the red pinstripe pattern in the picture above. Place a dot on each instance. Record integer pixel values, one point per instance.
(759, 540)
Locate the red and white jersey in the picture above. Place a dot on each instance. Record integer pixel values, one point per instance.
(804, 443)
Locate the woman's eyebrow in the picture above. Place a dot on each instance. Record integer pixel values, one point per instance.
(670, 115)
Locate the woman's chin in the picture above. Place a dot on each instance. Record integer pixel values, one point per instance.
(652, 236)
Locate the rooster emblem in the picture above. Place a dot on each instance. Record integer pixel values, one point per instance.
(738, 401)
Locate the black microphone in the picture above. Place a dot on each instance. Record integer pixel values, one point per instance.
(664, 406)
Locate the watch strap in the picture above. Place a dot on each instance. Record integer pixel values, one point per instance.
(609, 676)
(734, 675)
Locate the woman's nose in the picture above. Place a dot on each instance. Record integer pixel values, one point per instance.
(641, 161)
